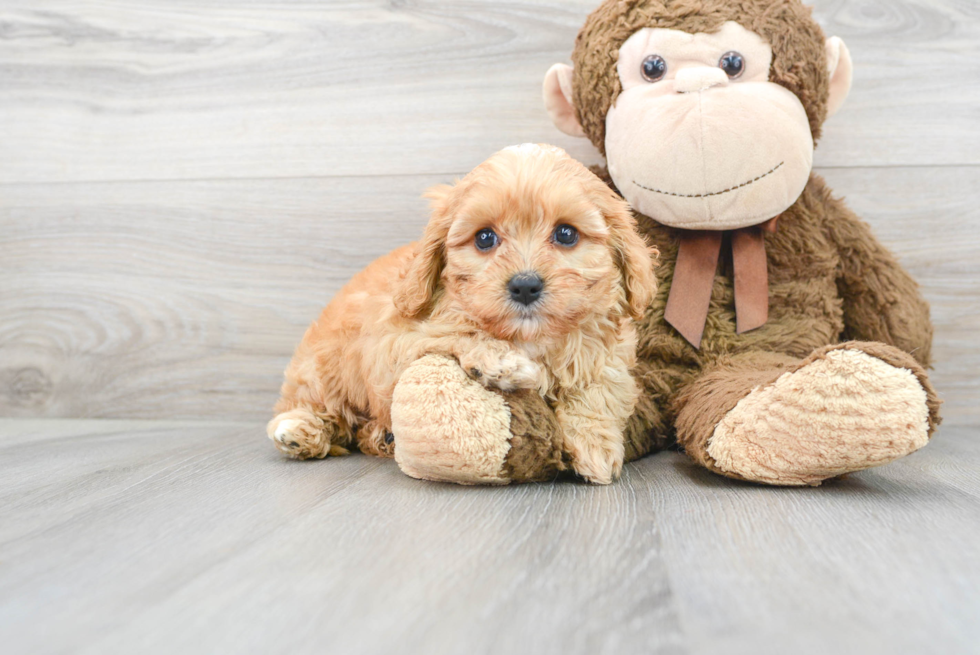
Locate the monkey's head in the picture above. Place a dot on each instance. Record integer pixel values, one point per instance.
(706, 110)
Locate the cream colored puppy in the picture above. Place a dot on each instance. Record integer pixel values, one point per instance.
(529, 273)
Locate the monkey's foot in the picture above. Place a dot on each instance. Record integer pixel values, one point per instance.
(842, 410)
(449, 428)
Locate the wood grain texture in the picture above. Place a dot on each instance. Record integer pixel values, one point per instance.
(157, 537)
(152, 90)
(186, 299)
(198, 538)
(167, 300)
(884, 561)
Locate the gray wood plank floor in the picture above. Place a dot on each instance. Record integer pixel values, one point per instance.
(162, 537)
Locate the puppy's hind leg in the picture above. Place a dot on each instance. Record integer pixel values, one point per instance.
(303, 433)
(376, 438)
(312, 419)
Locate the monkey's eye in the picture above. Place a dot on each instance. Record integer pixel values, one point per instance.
(486, 239)
(566, 235)
(732, 63)
(654, 68)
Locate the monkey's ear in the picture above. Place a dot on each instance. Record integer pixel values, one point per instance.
(558, 99)
(414, 293)
(841, 70)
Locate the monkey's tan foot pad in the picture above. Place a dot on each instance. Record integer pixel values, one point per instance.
(843, 410)
(449, 428)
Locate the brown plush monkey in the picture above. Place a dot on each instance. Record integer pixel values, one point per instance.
(785, 345)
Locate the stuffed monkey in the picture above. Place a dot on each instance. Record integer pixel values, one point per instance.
(785, 345)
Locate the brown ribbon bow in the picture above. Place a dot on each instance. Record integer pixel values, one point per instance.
(694, 276)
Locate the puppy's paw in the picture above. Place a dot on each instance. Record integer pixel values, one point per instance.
(598, 464)
(506, 371)
(376, 439)
(300, 434)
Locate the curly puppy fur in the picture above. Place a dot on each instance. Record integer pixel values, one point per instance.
(575, 345)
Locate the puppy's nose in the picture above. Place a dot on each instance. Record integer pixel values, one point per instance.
(525, 288)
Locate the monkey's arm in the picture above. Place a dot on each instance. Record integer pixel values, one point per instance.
(881, 300)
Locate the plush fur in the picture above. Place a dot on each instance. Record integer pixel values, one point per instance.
(848, 335)
(829, 281)
(799, 59)
(486, 436)
(574, 346)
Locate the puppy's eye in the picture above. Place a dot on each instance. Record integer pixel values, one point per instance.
(486, 239)
(653, 68)
(566, 235)
(732, 63)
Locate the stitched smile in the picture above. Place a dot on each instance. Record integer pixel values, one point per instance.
(716, 193)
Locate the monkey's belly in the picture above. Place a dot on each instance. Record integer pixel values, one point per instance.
(805, 308)
(803, 316)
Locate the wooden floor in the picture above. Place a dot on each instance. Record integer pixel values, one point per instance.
(183, 185)
(153, 537)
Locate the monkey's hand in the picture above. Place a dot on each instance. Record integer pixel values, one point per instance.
(881, 301)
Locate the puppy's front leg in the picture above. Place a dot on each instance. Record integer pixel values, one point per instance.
(592, 420)
(497, 364)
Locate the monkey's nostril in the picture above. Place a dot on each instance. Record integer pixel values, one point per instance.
(701, 78)
(525, 288)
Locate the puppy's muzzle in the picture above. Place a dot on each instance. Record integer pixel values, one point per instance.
(525, 288)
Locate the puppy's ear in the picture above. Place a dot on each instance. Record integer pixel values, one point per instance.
(635, 258)
(414, 293)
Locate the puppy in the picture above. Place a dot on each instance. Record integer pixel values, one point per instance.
(529, 273)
